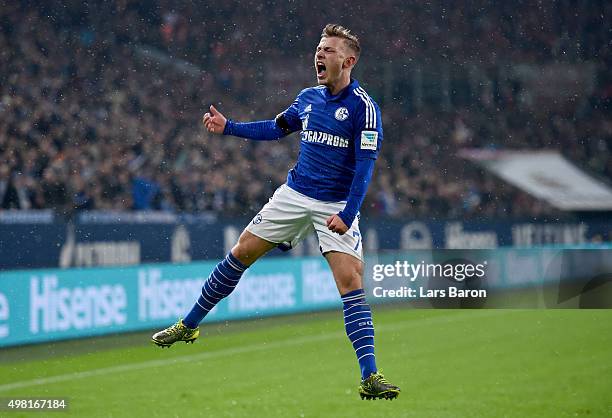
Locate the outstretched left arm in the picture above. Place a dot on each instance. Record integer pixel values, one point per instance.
(263, 130)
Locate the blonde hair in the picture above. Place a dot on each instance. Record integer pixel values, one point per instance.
(332, 30)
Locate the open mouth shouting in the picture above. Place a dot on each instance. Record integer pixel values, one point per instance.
(321, 70)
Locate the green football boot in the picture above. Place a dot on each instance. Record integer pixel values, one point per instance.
(377, 387)
(174, 333)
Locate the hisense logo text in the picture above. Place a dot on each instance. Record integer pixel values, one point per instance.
(165, 299)
(55, 308)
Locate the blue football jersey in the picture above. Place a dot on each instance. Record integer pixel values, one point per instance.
(336, 131)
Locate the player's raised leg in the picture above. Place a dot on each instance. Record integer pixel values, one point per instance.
(219, 284)
(348, 273)
(283, 219)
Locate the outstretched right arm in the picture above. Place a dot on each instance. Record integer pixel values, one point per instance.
(265, 130)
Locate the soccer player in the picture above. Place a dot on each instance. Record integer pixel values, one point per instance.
(341, 135)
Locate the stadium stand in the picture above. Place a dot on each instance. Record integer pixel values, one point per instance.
(100, 104)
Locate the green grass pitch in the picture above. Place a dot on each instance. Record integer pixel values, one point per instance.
(449, 363)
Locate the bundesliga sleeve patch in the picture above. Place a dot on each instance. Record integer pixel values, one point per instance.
(369, 140)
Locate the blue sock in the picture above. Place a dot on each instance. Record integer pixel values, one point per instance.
(360, 330)
(219, 284)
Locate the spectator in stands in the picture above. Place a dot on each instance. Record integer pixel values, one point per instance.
(88, 120)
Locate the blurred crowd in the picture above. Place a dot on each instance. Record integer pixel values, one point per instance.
(90, 118)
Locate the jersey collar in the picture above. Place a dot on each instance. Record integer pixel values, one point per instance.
(340, 96)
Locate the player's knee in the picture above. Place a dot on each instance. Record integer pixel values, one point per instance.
(249, 248)
(359, 269)
(351, 278)
(242, 252)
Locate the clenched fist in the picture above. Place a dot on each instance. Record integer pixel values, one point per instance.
(214, 121)
(336, 224)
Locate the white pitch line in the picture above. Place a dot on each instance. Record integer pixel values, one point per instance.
(233, 351)
(160, 363)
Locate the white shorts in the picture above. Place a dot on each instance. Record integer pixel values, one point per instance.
(290, 216)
